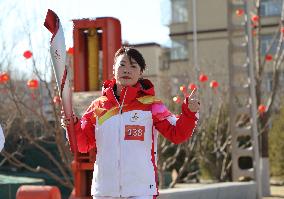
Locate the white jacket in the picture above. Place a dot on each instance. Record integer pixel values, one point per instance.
(125, 167)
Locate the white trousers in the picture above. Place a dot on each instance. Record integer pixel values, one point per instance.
(133, 197)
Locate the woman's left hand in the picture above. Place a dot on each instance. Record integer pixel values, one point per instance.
(193, 101)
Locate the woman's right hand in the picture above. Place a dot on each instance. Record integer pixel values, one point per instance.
(66, 122)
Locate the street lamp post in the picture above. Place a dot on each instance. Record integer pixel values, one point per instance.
(195, 49)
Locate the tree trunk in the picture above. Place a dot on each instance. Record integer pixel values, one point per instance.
(264, 155)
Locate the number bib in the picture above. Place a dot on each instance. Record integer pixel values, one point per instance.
(134, 132)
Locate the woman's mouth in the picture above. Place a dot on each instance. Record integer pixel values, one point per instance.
(126, 77)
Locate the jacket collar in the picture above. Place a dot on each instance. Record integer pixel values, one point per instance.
(129, 93)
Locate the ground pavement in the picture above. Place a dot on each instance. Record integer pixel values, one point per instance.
(277, 192)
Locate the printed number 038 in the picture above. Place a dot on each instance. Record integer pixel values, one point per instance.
(134, 132)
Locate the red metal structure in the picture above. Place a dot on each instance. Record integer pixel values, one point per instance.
(108, 31)
(109, 40)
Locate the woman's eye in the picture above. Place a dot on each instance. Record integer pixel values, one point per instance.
(133, 66)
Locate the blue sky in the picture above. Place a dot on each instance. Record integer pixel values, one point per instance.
(141, 21)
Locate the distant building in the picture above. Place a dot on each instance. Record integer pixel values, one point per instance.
(157, 66)
(212, 36)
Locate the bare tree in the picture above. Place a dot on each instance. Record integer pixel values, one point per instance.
(30, 119)
(22, 109)
(263, 96)
(208, 149)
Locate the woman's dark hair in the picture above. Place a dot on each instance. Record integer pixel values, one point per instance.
(132, 53)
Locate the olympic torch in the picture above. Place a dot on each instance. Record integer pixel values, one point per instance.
(62, 72)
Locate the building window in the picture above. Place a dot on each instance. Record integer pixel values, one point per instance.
(266, 42)
(179, 11)
(179, 50)
(270, 8)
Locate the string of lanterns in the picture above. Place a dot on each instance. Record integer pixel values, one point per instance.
(268, 57)
(33, 84)
(255, 21)
(203, 79)
(214, 85)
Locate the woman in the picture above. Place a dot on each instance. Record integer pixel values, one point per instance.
(122, 125)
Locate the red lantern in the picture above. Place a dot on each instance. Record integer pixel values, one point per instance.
(261, 108)
(182, 88)
(56, 99)
(33, 84)
(4, 78)
(203, 78)
(239, 12)
(214, 84)
(28, 54)
(176, 99)
(70, 51)
(192, 86)
(268, 57)
(255, 18)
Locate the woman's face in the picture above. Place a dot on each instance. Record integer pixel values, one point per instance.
(126, 72)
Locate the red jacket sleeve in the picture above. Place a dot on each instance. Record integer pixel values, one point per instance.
(175, 129)
(85, 131)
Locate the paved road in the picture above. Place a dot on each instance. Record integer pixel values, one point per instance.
(277, 192)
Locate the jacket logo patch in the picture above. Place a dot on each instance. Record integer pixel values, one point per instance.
(134, 132)
(134, 118)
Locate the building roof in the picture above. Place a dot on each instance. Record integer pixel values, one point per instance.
(150, 44)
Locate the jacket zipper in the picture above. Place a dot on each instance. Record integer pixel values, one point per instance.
(119, 142)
